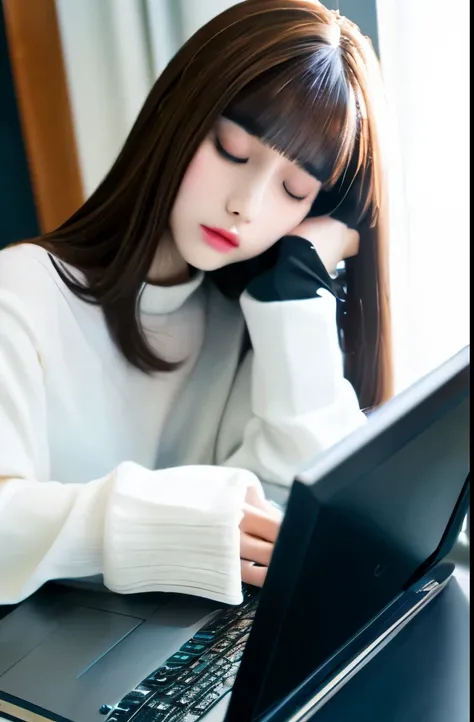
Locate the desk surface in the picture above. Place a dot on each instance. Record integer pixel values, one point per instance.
(421, 676)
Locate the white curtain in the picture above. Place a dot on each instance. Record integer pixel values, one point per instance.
(424, 47)
(109, 71)
(113, 51)
(172, 22)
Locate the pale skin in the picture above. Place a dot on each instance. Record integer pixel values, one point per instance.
(236, 182)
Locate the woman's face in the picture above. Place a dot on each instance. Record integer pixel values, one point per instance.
(238, 185)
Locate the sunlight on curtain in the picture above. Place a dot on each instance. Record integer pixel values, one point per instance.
(109, 74)
(424, 49)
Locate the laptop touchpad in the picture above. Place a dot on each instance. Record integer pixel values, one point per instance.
(77, 641)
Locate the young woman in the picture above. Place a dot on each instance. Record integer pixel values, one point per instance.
(179, 338)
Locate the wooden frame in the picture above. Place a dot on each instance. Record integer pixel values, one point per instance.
(43, 101)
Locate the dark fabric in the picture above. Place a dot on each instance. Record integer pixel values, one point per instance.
(297, 274)
(6, 609)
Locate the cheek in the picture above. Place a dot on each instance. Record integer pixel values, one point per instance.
(194, 174)
(201, 179)
(280, 219)
(191, 193)
(296, 213)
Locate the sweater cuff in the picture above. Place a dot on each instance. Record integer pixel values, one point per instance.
(298, 274)
(176, 530)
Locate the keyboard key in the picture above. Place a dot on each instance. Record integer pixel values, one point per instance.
(206, 703)
(197, 676)
(137, 695)
(160, 705)
(163, 683)
(194, 647)
(163, 671)
(190, 695)
(180, 659)
(201, 667)
(203, 636)
(176, 691)
(190, 679)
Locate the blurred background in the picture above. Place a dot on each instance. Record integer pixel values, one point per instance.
(74, 74)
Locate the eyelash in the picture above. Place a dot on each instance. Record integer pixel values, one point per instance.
(233, 159)
(241, 161)
(292, 195)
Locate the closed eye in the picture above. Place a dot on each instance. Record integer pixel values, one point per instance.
(228, 156)
(292, 195)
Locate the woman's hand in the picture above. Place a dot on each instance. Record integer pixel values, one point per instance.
(332, 239)
(258, 533)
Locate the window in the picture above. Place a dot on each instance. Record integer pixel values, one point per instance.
(425, 61)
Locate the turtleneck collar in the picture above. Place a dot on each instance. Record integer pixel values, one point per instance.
(166, 299)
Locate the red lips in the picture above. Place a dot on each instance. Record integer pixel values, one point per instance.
(219, 239)
(226, 235)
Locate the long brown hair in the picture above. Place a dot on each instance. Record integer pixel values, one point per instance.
(301, 74)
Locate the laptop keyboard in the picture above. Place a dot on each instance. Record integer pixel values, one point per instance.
(195, 677)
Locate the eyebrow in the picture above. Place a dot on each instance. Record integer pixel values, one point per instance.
(254, 128)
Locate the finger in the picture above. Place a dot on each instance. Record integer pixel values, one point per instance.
(273, 510)
(255, 550)
(255, 498)
(253, 575)
(258, 523)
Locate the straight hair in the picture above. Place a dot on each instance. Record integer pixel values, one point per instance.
(306, 79)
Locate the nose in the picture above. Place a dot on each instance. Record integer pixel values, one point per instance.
(246, 200)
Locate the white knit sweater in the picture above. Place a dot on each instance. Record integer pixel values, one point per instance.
(141, 478)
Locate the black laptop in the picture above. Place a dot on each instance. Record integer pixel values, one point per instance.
(361, 551)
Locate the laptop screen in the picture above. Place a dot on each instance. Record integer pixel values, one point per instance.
(379, 509)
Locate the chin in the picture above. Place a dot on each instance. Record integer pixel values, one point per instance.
(208, 261)
(210, 266)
